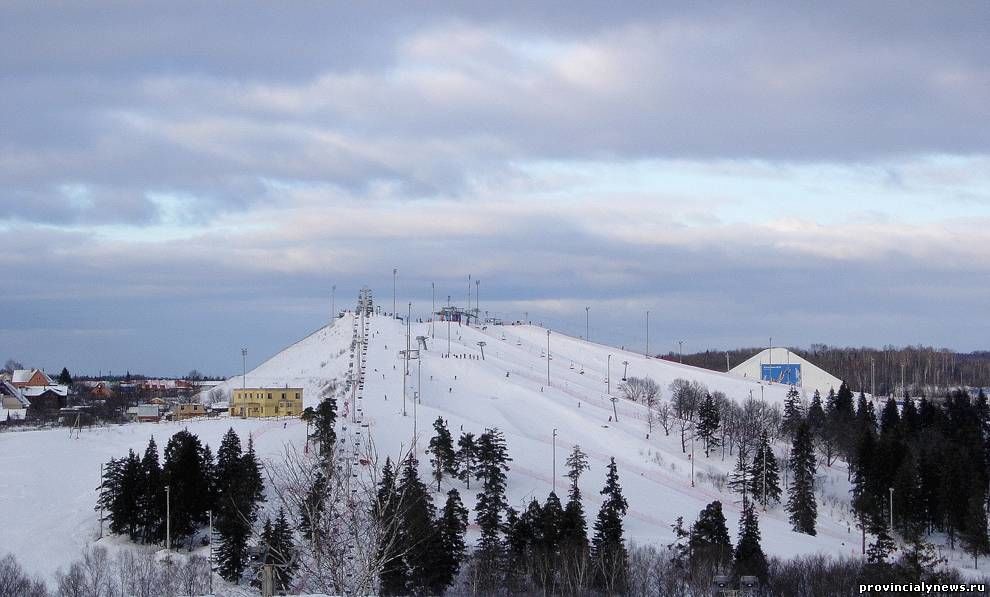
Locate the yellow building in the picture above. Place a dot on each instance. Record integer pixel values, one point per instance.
(266, 402)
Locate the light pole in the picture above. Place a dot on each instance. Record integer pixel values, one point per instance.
(625, 369)
(243, 368)
(554, 460)
(477, 300)
(468, 310)
(587, 327)
(395, 273)
(168, 518)
(647, 334)
(448, 326)
(680, 351)
(548, 358)
(608, 376)
(433, 316)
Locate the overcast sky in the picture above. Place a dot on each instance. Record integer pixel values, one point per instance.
(181, 180)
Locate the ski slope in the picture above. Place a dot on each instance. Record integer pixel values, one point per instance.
(48, 481)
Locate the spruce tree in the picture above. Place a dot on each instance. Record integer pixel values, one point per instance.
(708, 423)
(280, 552)
(739, 478)
(608, 545)
(442, 449)
(394, 576)
(816, 414)
(107, 502)
(546, 547)
(574, 527)
(865, 498)
(323, 425)
(466, 457)
(792, 412)
(187, 476)
(974, 534)
(909, 507)
(749, 556)
(909, 417)
(253, 479)
(64, 378)
(680, 547)
(889, 419)
(801, 504)
(417, 530)
(151, 498)
(710, 543)
(492, 464)
(313, 505)
(764, 477)
(453, 524)
(232, 515)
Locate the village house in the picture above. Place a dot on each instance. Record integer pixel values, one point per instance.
(189, 410)
(45, 395)
(266, 402)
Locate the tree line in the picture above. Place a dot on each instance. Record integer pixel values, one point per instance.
(144, 498)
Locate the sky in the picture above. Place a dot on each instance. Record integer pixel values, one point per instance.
(181, 180)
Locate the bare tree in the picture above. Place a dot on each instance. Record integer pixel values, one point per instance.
(685, 396)
(14, 581)
(645, 391)
(337, 496)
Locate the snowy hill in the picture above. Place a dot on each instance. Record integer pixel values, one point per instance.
(47, 489)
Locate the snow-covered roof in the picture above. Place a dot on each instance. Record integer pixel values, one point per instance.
(8, 389)
(30, 391)
(25, 375)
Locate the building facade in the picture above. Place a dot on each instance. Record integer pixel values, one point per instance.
(780, 365)
(189, 410)
(266, 402)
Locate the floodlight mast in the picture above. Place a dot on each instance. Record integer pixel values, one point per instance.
(647, 334)
(587, 327)
(395, 272)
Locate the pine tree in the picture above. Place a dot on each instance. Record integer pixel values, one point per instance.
(680, 547)
(882, 546)
(709, 423)
(151, 498)
(608, 545)
(64, 378)
(839, 421)
(232, 516)
(453, 524)
(909, 417)
(801, 504)
(710, 541)
(764, 484)
(547, 544)
(909, 505)
(865, 501)
(442, 448)
(313, 506)
(749, 556)
(816, 414)
(792, 412)
(466, 457)
(110, 485)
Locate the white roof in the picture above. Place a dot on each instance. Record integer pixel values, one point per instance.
(29, 391)
(25, 375)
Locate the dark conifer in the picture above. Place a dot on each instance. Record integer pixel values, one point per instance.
(801, 504)
(442, 449)
(708, 423)
(749, 556)
(253, 479)
(764, 483)
(889, 419)
(151, 500)
(189, 486)
(466, 457)
(608, 544)
(453, 523)
(793, 414)
(710, 543)
(232, 514)
(394, 575)
(418, 533)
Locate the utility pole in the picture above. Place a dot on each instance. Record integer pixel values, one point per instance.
(168, 518)
(680, 351)
(477, 301)
(548, 358)
(433, 316)
(726, 362)
(395, 273)
(243, 368)
(625, 370)
(468, 310)
(647, 334)
(554, 440)
(587, 328)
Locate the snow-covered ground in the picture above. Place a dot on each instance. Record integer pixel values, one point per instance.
(48, 481)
